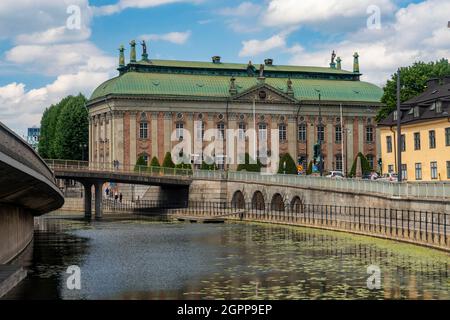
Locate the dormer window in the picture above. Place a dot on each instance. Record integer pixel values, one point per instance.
(395, 115)
(438, 106)
(416, 112)
(433, 106)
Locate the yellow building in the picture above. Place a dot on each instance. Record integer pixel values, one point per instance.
(425, 130)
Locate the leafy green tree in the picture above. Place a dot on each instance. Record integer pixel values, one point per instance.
(140, 163)
(44, 139)
(413, 80)
(365, 166)
(291, 167)
(205, 166)
(167, 162)
(249, 165)
(71, 130)
(154, 162)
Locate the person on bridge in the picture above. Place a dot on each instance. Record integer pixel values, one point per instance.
(120, 197)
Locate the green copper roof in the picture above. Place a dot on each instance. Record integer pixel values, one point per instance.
(194, 85)
(239, 66)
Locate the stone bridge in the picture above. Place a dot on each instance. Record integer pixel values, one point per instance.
(27, 189)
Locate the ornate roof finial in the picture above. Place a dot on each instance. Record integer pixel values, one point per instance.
(332, 63)
(144, 51)
(121, 56)
(233, 89)
(133, 51)
(339, 63)
(290, 91)
(261, 71)
(356, 63)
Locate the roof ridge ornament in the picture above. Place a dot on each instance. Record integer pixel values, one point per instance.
(144, 51)
(133, 51)
(233, 89)
(332, 63)
(356, 63)
(290, 91)
(339, 63)
(121, 56)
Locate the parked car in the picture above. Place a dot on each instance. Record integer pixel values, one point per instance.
(391, 177)
(370, 176)
(336, 175)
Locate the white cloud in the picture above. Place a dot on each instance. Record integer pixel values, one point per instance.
(245, 9)
(30, 16)
(125, 4)
(59, 59)
(173, 37)
(419, 32)
(54, 35)
(257, 47)
(289, 12)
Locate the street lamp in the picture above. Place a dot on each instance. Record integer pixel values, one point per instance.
(82, 147)
(319, 138)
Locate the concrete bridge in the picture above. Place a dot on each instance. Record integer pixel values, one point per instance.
(27, 189)
(173, 181)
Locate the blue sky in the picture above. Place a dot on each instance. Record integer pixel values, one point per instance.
(43, 60)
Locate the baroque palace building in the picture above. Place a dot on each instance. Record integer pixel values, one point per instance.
(135, 113)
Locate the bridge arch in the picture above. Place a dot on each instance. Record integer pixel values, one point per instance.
(238, 200)
(277, 202)
(258, 201)
(297, 204)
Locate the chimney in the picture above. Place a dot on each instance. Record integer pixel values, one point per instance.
(216, 59)
(268, 62)
(432, 83)
(356, 63)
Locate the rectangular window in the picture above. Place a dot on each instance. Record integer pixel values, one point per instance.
(282, 132)
(433, 170)
(262, 132)
(338, 162)
(338, 134)
(416, 112)
(448, 169)
(391, 168)
(241, 131)
(438, 106)
(221, 128)
(143, 130)
(403, 142)
(179, 131)
(416, 140)
(302, 133)
(369, 134)
(418, 167)
(447, 137)
(404, 172)
(200, 130)
(370, 158)
(320, 133)
(432, 139)
(389, 144)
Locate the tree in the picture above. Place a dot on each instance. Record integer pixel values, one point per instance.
(154, 162)
(167, 162)
(365, 167)
(249, 165)
(140, 163)
(413, 80)
(291, 167)
(64, 126)
(71, 130)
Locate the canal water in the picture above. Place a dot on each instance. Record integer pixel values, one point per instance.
(150, 258)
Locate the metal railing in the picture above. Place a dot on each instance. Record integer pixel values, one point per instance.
(120, 168)
(422, 227)
(415, 190)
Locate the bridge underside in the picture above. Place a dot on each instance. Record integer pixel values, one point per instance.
(178, 188)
